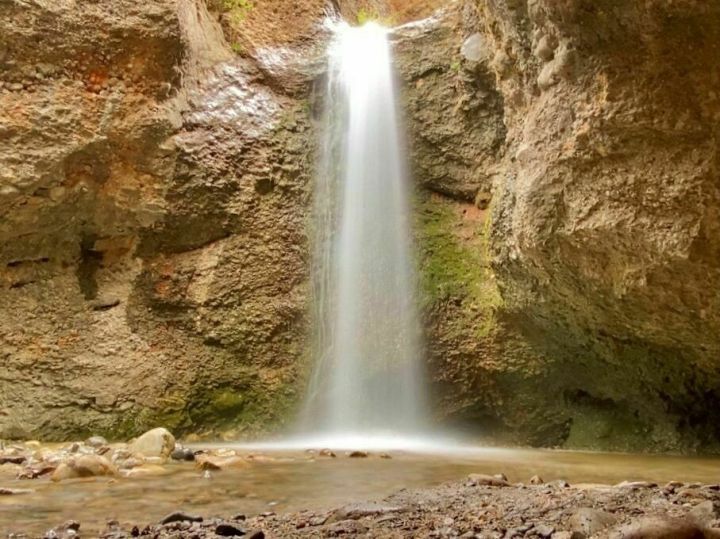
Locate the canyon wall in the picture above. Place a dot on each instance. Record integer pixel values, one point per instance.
(589, 132)
(156, 182)
(152, 247)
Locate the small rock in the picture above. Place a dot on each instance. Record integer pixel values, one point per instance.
(68, 530)
(355, 511)
(155, 443)
(227, 529)
(477, 480)
(636, 485)
(213, 463)
(385, 456)
(536, 480)
(659, 528)
(84, 466)
(183, 453)
(474, 48)
(33, 472)
(544, 530)
(14, 491)
(12, 459)
(358, 454)
(590, 521)
(545, 49)
(347, 527)
(703, 513)
(144, 471)
(327, 453)
(179, 516)
(96, 442)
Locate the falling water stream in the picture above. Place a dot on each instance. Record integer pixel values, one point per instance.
(367, 381)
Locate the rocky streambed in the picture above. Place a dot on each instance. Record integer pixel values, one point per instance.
(482, 506)
(153, 486)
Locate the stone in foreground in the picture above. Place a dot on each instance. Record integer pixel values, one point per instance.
(154, 443)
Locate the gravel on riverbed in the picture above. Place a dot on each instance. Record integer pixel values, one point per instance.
(482, 506)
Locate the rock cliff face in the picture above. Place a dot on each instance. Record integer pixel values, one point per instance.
(156, 177)
(152, 252)
(605, 204)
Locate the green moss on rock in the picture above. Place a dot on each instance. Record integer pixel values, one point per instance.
(455, 266)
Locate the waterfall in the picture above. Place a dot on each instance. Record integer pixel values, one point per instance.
(367, 377)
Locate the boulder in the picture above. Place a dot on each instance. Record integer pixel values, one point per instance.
(154, 443)
(84, 466)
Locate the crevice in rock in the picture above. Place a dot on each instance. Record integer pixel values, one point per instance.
(18, 263)
(90, 263)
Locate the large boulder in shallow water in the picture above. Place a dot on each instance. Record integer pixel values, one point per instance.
(154, 443)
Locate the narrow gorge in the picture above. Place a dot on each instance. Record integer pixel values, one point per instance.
(245, 243)
(156, 187)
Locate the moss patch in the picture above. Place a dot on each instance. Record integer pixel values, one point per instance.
(454, 266)
(237, 10)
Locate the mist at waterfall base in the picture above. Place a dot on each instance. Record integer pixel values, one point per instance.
(367, 389)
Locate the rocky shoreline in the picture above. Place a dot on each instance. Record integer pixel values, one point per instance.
(481, 506)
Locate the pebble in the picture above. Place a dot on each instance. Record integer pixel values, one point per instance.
(179, 516)
(226, 529)
(14, 491)
(476, 480)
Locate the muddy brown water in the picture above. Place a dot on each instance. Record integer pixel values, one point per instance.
(295, 481)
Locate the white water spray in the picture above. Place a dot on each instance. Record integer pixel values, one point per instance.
(367, 382)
